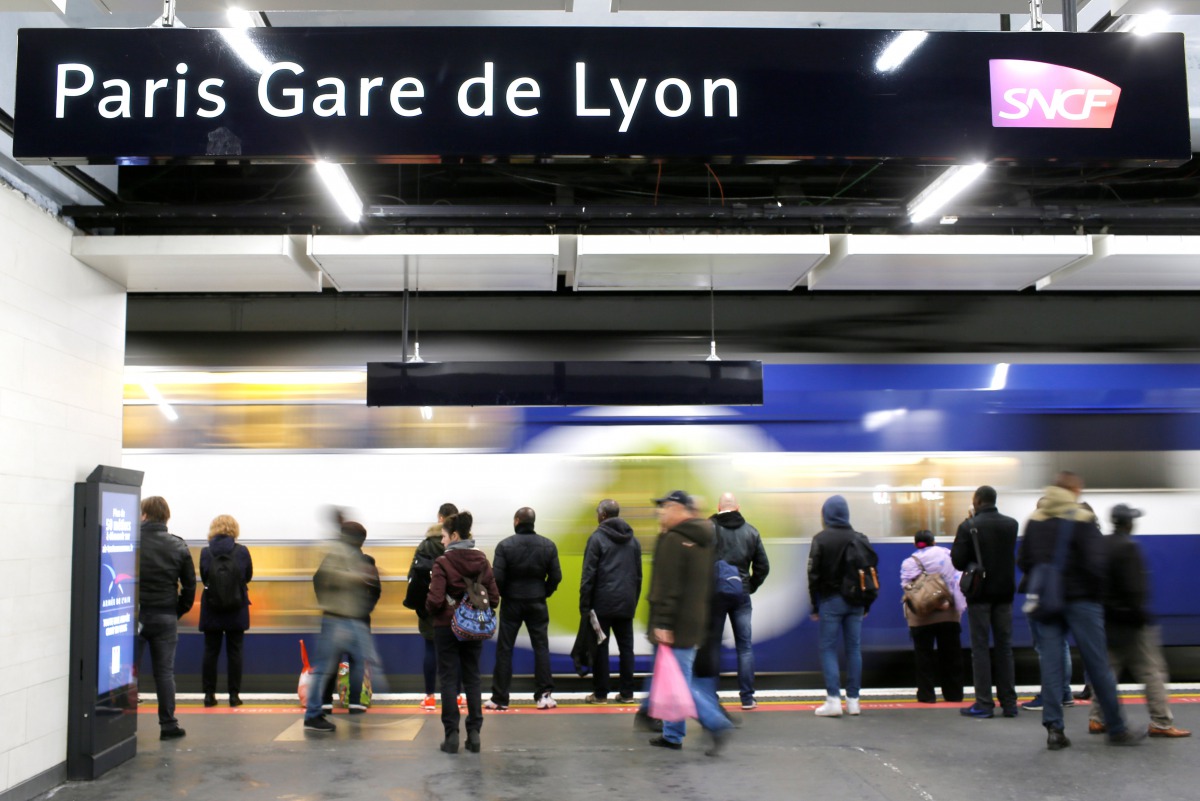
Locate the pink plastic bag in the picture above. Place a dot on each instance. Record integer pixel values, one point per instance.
(670, 695)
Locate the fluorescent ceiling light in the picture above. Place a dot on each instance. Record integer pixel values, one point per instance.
(1000, 376)
(1154, 22)
(900, 49)
(342, 190)
(943, 189)
(156, 398)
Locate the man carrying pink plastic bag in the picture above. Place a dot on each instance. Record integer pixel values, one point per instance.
(680, 594)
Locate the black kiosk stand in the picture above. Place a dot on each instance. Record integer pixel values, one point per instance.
(102, 725)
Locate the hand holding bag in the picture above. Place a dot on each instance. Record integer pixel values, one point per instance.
(670, 695)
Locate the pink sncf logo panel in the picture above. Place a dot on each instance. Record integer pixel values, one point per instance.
(1031, 94)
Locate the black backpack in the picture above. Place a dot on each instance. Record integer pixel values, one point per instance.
(419, 576)
(860, 579)
(224, 588)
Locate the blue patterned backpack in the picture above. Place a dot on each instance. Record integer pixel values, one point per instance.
(474, 618)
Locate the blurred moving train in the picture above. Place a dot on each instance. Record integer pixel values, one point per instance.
(905, 443)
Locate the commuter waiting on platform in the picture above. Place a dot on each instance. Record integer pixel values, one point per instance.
(610, 585)
(938, 626)
(419, 576)
(225, 570)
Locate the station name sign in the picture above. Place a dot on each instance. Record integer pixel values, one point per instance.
(402, 94)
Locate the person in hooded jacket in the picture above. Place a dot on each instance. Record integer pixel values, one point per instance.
(458, 660)
(610, 586)
(229, 625)
(739, 544)
(940, 628)
(835, 614)
(431, 548)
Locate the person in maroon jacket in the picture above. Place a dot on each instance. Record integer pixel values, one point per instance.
(458, 660)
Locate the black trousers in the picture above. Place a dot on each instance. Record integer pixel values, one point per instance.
(233, 660)
(536, 618)
(458, 666)
(943, 667)
(620, 628)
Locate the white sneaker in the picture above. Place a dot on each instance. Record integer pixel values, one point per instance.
(852, 707)
(546, 702)
(490, 704)
(832, 708)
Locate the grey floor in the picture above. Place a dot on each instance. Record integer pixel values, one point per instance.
(901, 754)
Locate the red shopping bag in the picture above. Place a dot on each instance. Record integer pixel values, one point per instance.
(670, 695)
(305, 675)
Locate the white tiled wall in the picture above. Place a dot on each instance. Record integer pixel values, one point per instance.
(62, 349)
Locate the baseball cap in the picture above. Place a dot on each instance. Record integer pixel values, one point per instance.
(1124, 514)
(674, 496)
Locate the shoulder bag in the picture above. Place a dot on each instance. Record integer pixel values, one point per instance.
(973, 577)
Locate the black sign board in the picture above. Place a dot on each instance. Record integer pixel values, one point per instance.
(726, 383)
(396, 94)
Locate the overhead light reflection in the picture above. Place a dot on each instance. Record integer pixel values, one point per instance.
(1154, 22)
(943, 189)
(237, 38)
(339, 186)
(899, 50)
(1000, 376)
(157, 399)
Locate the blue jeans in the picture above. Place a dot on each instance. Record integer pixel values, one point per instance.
(739, 617)
(708, 710)
(1084, 619)
(1035, 629)
(339, 635)
(839, 617)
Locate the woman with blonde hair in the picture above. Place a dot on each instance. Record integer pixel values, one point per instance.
(225, 570)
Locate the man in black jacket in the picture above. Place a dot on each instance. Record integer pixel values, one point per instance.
(166, 591)
(610, 586)
(527, 573)
(1083, 573)
(1134, 639)
(990, 613)
(739, 544)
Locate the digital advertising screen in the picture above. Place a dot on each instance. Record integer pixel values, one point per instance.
(118, 572)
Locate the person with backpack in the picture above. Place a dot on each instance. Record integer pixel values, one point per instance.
(740, 546)
(842, 585)
(419, 575)
(933, 607)
(984, 548)
(458, 659)
(225, 570)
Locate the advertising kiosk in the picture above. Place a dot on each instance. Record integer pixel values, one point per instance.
(102, 728)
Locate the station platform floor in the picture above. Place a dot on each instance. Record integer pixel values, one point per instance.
(896, 750)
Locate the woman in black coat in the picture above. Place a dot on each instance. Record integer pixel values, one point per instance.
(225, 570)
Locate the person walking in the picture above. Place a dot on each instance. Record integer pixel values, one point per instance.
(527, 573)
(1065, 538)
(936, 635)
(225, 570)
(458, 660)
(347, 587)
(166, 592)
(610, 586)
(681, 587)
(1134, 637)
(989, 539)
(740, 544)
(836, 614)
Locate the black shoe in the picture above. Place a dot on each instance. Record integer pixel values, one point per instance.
(1056, 740)
(643, 722)
(1011, 711)
(978, 710)
(473, 742)
(319, 724)
(1085, 694)
(626, 700)
(450, 744)
(357, 709)
(235, 699)
(720, 739)
(662, 742)
(1127, 737)
(173, 733)
(210, 699)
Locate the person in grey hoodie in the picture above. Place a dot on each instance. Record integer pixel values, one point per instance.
(610, 586)
(835, 613)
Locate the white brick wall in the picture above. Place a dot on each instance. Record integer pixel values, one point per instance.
(62, 352)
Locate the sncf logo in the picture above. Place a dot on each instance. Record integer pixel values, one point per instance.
(1030, 94)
